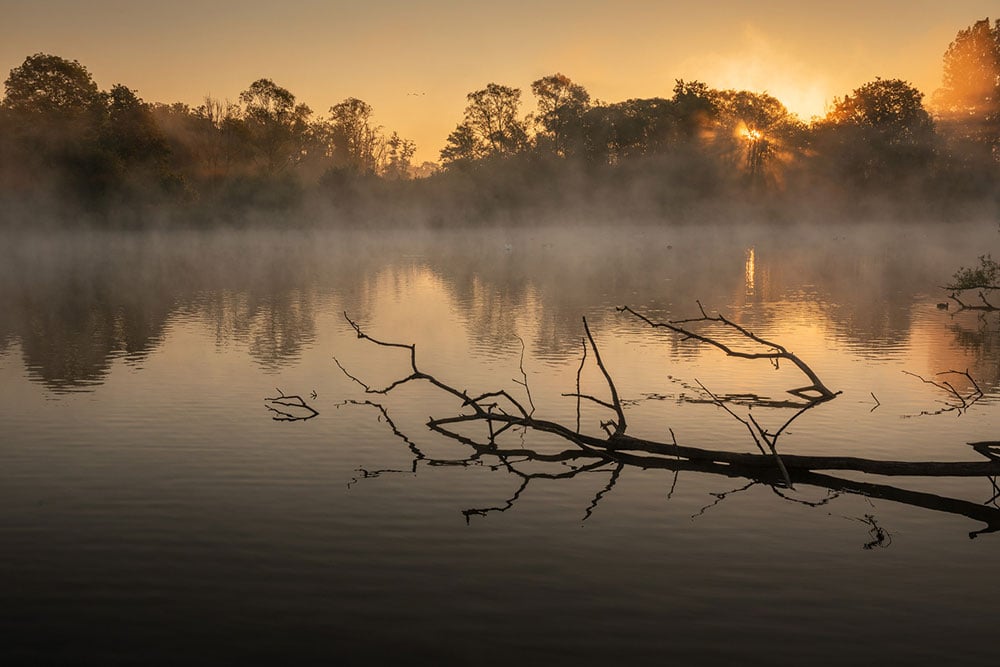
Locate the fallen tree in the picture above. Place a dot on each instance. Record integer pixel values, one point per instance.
(499, 412)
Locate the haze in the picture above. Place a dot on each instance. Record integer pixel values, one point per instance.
(415, 62)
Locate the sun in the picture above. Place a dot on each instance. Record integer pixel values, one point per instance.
(750, 134)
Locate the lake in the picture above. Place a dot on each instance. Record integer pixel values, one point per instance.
(153, 509)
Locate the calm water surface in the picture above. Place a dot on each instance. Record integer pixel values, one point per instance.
(152, 511)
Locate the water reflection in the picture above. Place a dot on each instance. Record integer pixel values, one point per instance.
(275, 326)
(575, 451)
(74, 304)
(979, 338)
(529, 464)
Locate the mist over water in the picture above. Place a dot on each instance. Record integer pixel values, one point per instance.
(671, 378)
(153, 511)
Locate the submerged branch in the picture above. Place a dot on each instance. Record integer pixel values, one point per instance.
(774, 353)
(958, 402)
(291, 408)
(616, 404)
(588, 453)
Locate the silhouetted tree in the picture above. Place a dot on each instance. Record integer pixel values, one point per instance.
(762, 129)
(653, 126)
(220, 137)
(879, 131)
(276, 125)
(57, 111)
(46, 84)
(559, 118)
(357, 145)
(491, 126)
(627, 130)
(131, 130)
(695, 107)
(135, 148)
(398, 155)
(462, 147)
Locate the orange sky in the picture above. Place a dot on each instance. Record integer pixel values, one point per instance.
(380, 51)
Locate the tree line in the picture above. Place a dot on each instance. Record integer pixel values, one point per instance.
(70, 151)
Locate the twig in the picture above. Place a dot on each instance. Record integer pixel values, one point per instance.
(604, 491)
(294, 402)
(524, 383)
(719, 497)
(583, 360)
(880, 536)
(591, 453)
(961, 402)
(775, 353)
(721, 404)
(384, 414)
(616, 404)
(673, 485)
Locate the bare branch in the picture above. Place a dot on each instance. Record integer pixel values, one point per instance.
(603, 404)
(775, 351)
(959, 402)
(289, 408)
(579, 370)
(592, 453)
(986, 306)
(721, 404)
(616, 403)
(524, 383)
(384, 415)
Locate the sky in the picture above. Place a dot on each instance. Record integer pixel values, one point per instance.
(415, 62)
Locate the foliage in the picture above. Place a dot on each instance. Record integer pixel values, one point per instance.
(491, 126)
(878, 134)
(276, 127)
(891, 106)
(69, 148)
(357, 145)
(971, 77)
(762, 127)
(398, 157)
(968, 103)
(986, 275)
(561, 106)
(47, 84)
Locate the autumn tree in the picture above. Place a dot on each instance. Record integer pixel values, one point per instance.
(968, 103)
(971, 77)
